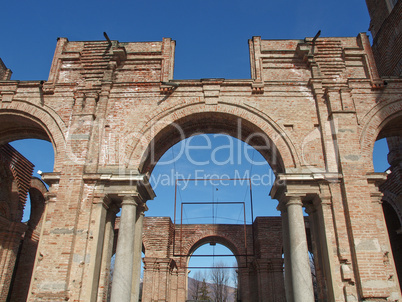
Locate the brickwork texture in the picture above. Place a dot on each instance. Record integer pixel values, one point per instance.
(313, 108)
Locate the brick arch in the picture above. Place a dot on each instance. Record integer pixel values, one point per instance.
(37, 192)
(231, 236)
(197, 118)
(374, 126)
(227, 242)
(393, 201)
(21, 120)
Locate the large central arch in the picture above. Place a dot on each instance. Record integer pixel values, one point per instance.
(169, 126)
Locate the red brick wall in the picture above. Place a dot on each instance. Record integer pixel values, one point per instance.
(258, 251)
(110, 114)
(386, 28)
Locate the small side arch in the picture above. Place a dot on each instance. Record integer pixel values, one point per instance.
(383, 120)
(213, 239)
(20, 120)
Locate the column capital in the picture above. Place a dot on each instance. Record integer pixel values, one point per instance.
(129, 199)
(323, 200)
(142, 208)
(118, 185)
(104, 199)
(291, 199)
(294, 200)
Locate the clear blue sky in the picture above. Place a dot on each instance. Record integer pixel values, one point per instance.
(211, 39)
(211, 35)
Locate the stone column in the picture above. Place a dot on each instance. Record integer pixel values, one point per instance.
(300, 267)
(123, 268)
(107, 253)
(286, 251)
(98, 216)
(318, 227)
(135, 291)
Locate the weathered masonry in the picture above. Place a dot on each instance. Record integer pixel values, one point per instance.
(260, 263)
(313, 108)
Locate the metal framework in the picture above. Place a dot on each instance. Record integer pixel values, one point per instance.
(180, 254)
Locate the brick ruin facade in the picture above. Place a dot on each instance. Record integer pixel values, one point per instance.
(19, 240)
(386, 26)
(168, 249)
(313, 108)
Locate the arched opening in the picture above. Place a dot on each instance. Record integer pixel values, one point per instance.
(267, 140)
(18, 126)
(387, 157)
(26, 148)
(395, 234)
(208, 153)
(212, 168)
(212, 273)
(40, 153)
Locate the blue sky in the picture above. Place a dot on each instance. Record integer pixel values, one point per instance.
(211, 39)
(211, 35)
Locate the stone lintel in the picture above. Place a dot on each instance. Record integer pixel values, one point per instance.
(377, 178)
(130, 199)
(309, 176)
(123, 184)
(51, 178)
(301, 183)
